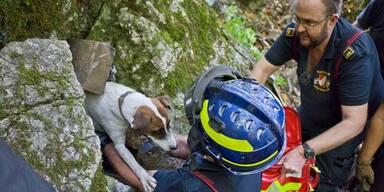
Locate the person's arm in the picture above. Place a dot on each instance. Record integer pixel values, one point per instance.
(352, 123)
(353, 89)
(277, 55)
(121, 168)
(262, 70)
(374, 137)
(372, 141)
(365, 19)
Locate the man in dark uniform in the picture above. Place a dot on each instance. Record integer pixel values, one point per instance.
(230, 142)
(340, 82)
(372, 18)
(370, 162)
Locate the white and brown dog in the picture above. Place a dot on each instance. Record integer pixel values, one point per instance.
(120, 108)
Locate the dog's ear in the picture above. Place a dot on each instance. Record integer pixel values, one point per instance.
(141, 120)
(165, 100)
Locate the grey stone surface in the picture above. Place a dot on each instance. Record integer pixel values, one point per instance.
(42, 115)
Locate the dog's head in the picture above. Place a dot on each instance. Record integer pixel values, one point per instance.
(155, 122)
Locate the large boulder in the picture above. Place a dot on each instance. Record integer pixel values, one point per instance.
(161, 45)
(42, 115)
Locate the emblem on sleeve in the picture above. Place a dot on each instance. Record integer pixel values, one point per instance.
(290, 32)
(348, 52)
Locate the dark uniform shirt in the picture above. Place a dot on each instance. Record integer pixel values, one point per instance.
(373, 17)
(183, 180)
(322, 92)
(359, 80)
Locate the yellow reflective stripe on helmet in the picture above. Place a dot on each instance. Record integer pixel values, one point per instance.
(277, 187)
(252, 164)
(227, 142)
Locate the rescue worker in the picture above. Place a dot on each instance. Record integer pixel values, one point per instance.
(237, 132)
(372, 18)
(370, 162)
(340, 82)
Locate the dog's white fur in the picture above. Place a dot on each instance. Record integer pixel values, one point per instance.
(105, 113)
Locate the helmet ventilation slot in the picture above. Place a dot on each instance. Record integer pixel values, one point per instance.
(222, 109)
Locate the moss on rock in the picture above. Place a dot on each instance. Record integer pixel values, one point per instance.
(42, 114)
(64, 19)
(99, 182)
(147, 30)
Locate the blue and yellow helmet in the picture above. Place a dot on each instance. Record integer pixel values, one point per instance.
(240, 122)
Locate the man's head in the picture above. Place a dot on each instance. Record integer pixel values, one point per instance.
(315, 20)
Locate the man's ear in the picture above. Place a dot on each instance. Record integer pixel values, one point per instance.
(141, 120)
(334, 18)
(165, 100)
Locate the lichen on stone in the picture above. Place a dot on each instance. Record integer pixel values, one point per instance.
(43, 118)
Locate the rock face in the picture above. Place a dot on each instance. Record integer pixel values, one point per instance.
(161, 45)
(42, 115)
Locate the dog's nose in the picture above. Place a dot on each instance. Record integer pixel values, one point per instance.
(173, 147)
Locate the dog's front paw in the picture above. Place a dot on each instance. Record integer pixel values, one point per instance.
(149, 183)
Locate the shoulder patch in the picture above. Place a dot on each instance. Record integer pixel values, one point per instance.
(290, 32)
(348, 52)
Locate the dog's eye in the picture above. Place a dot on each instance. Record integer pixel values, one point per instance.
(159, 133)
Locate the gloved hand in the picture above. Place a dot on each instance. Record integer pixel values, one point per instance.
(364, 173)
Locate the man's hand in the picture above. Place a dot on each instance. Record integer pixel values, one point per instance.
(293, 162)
(364, 174)
(182, 151)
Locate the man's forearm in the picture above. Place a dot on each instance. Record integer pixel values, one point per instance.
(121, 168)
(352, 123)
(335, 136)
(262, 70)
(259, 75)
(374, 137)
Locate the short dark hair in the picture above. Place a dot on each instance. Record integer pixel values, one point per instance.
(333, 6)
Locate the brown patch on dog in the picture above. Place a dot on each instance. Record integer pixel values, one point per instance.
(147, 123)
(165, 100)
(163, 105)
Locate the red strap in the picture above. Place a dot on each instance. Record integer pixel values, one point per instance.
(206, 180)
(349, 42)
(354, 37)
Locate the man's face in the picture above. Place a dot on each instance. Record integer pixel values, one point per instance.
(312, 22)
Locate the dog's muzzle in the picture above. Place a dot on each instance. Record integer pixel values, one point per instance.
(173, 147)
